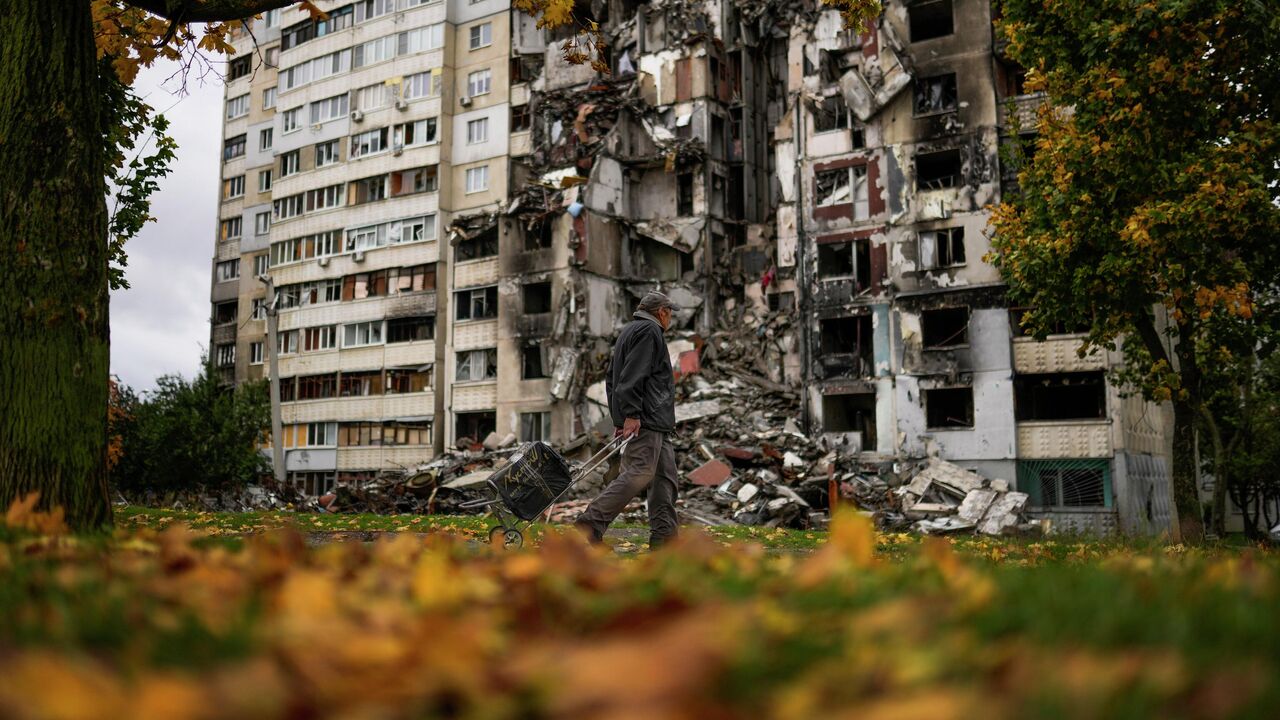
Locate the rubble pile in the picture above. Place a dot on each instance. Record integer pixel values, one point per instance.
(937, 497)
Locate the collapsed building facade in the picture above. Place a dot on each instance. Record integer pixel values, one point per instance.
(767, 168)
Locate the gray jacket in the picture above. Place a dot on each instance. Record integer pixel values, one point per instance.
(640, 383)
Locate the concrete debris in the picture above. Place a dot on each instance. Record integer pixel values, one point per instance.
(938, 497)
(694, 410)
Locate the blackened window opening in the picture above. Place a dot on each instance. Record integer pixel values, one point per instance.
(684, 194)
(481, 245)
(931, 20)
(531, 365)
(936, 94)
(945, 327)
(948, 407)
(851, 413)
(847, 346)
(411, 329)
(536, 298)
(475, 425)
(938, 170)
(846, 260)
(1060, 396)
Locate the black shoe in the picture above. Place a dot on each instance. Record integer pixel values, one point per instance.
(593, 537)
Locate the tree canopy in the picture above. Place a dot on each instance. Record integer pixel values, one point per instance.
(1149, 207)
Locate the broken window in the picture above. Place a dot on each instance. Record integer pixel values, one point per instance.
(474, 425)
(535, 427)
(408, 380)
(521, 118)
(404, 433)
(287, 342)
(847, 346)
(656, 261)
(843, 186)
(1060, 396)
(478, 304)
(360, 384)
(416, 278)
(684, 194)
(936, 94)
(239, 67)
(538, 235)
(324, 337)
(1058, 328)
(831, 114)
(364, 285)
(364, 434)
(227, 270)
(536, 298)
(477, 365)
(942, 248)
(317, 387)
(945, 327)
(312, 484)
(417, 180)
(411, 329)
(481, 245)
(367, 190)
(846, 261)
(938, 170)
(224, 313)
(948, 407)
(233, 147)
(531, 365)
(225, 355)
(851, 413)
(782, 301)
(930, 20)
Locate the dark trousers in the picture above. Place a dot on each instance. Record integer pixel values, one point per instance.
(648, 461)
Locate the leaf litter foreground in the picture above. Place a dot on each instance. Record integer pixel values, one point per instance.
(151, 623)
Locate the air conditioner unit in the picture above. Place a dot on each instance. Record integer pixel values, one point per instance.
(402, 104)
(323, 261)
(397, 149)
(359, 256)
(464, 101)
(315, 126)
(357, 115)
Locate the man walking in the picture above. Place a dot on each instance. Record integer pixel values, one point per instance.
(642, 403)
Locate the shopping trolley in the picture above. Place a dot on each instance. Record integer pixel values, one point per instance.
(535, 478)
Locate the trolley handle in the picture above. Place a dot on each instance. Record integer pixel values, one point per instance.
(602, 455)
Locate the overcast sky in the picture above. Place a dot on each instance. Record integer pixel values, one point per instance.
(161, 324)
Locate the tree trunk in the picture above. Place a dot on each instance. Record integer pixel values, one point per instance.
(54, 334)
(1184, 475)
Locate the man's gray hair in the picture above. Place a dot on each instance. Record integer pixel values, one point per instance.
(654, 301)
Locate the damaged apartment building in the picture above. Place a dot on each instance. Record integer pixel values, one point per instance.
(474, 217)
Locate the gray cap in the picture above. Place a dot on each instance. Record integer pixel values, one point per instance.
(654, 301)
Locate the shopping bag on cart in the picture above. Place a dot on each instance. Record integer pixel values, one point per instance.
(536, 476)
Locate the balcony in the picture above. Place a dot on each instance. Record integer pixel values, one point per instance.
(1053, 439)
(1020, 109)
(1054, 355)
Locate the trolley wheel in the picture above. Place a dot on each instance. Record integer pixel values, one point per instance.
(513, 539)
(497, 535)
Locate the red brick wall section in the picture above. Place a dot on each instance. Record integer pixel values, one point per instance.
(684, 79)
(870, 44)
(875, 196)
(879, 265)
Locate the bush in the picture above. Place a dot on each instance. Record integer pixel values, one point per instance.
(189, 434)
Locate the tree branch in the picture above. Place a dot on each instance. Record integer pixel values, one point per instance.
(188, 11)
